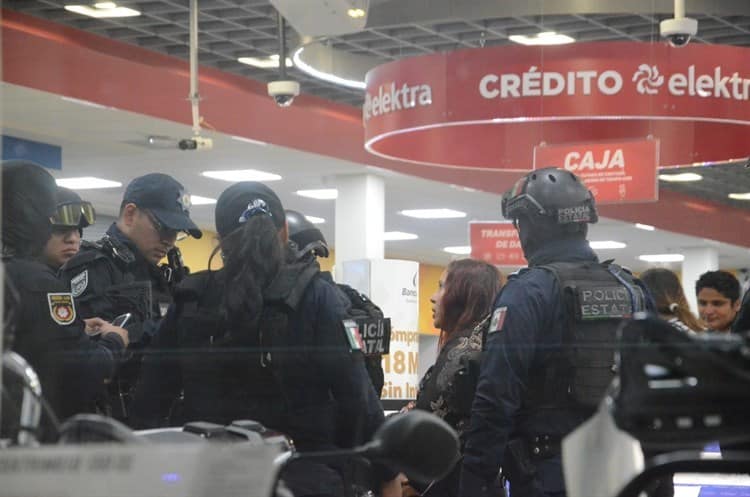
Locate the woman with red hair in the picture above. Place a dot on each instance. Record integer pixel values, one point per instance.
(461, 309)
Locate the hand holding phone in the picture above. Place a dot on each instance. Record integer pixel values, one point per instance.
(121, 320)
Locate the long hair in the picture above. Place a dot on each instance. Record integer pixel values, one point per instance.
(470, 290)
(670, 299)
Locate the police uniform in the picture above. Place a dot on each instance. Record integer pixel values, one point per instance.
(299, 373)
(49, 333)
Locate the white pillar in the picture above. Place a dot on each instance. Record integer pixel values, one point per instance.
(697, 261)
(360, 218)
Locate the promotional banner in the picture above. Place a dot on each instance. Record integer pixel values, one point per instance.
(393, 285)
(498, 103)
(496, 242)
(615, 172)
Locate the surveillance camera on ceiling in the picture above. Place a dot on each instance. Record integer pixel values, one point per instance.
(678, 31)
(283, 92)
(196, 143)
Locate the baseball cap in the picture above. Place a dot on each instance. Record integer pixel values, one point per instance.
(165, 198)
(235, 201)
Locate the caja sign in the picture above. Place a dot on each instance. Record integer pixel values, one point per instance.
(488, 108)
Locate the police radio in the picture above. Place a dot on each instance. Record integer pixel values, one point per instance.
(175, 269)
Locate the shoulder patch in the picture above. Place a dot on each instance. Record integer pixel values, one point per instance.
(498, 319)
(353, 335)
(62, 309)
(79, 283)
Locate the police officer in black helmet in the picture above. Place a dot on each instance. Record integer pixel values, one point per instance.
(46, 328)
(549, 352)
(309, 243)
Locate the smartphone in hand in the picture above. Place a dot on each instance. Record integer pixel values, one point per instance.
(121, 320)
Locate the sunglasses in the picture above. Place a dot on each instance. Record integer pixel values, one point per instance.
(164, 232)
(71, 214)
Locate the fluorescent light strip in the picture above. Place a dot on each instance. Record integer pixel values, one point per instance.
(102, 12)
(544, 38)
(84, 102)
(645, 227)
(241, 175)
(321, 194)
(662, 257)
(392, 236)
(740, 196)
(607, 244)
(315, 220)
(356, 13)
(270, 62)
(433, 213)
(463, 250)
(680, 177)
(87, 183)
(331, 78)
(249, 140)
(198, 200)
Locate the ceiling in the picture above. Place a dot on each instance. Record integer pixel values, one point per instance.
(395, 29)
(111, 144)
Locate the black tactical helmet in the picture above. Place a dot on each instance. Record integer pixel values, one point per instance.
(553, 193)
(305, 235)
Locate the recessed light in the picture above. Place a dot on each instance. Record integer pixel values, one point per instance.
(662, 257)
(433, 213)
(102, 9)
(315, 220)
(270, 62)
(544, 38)
(646, 227)
(87, 183)
(462, 250)
(740, 196)
(356, 13)
(325, 76)
(235, 175)
(321, 194)
(390, 236)
(85, 103)
(680, 178)
(249, 140)
(463, 188)
(198, 200)
(607, 244)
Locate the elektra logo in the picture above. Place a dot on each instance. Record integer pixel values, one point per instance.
(646, 78)
(390, 98)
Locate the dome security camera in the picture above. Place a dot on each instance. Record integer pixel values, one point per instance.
(678, 31)
(283, 92)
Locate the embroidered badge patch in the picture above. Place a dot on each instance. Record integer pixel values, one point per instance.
(498, 318)
(79, 283)
(353, 335)
(61, 308)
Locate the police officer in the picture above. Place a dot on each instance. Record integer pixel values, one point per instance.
(120, 274)
(262, 339)
(549, 349)
(309, 243)
(71, 216)
(48, 331)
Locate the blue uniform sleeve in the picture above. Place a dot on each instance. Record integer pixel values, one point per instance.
(520, 318)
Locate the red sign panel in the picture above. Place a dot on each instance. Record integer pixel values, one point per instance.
(496, 242)
(615, 172)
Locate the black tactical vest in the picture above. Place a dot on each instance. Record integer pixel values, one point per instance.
(596, 297)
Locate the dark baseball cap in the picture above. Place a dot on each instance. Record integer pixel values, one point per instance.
(235, 200)
(165, 198)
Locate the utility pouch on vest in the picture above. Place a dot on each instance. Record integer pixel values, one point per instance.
(595, 301)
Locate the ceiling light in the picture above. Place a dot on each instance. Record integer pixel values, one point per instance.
(607, 244)
(646, 227)
(740, 196)
(84, 102)
(87, 183)
(464, 250)
(356, 13)
(544, 38)
(241, 175)
(102, 10)
(249, 140)
(433, 213)
(662, 257)
(270, 62)
(315, 220)
(390, 236)
(198, 200)
(680, 177)
(322, 194)
(325, 76)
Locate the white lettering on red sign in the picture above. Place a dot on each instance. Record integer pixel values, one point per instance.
(586, 161)
(391, 98)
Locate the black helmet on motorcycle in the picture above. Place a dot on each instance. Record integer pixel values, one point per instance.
(305, 235)
(553, 194)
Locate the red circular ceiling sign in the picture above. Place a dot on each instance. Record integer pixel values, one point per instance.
(488, 108)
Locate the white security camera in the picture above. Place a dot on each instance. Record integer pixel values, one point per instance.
(196, 143)
(678, 31)
(283, 92)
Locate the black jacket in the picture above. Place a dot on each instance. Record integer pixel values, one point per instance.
(71, 366)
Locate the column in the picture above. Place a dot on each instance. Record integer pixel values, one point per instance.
(360, 218)
(697, 261)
